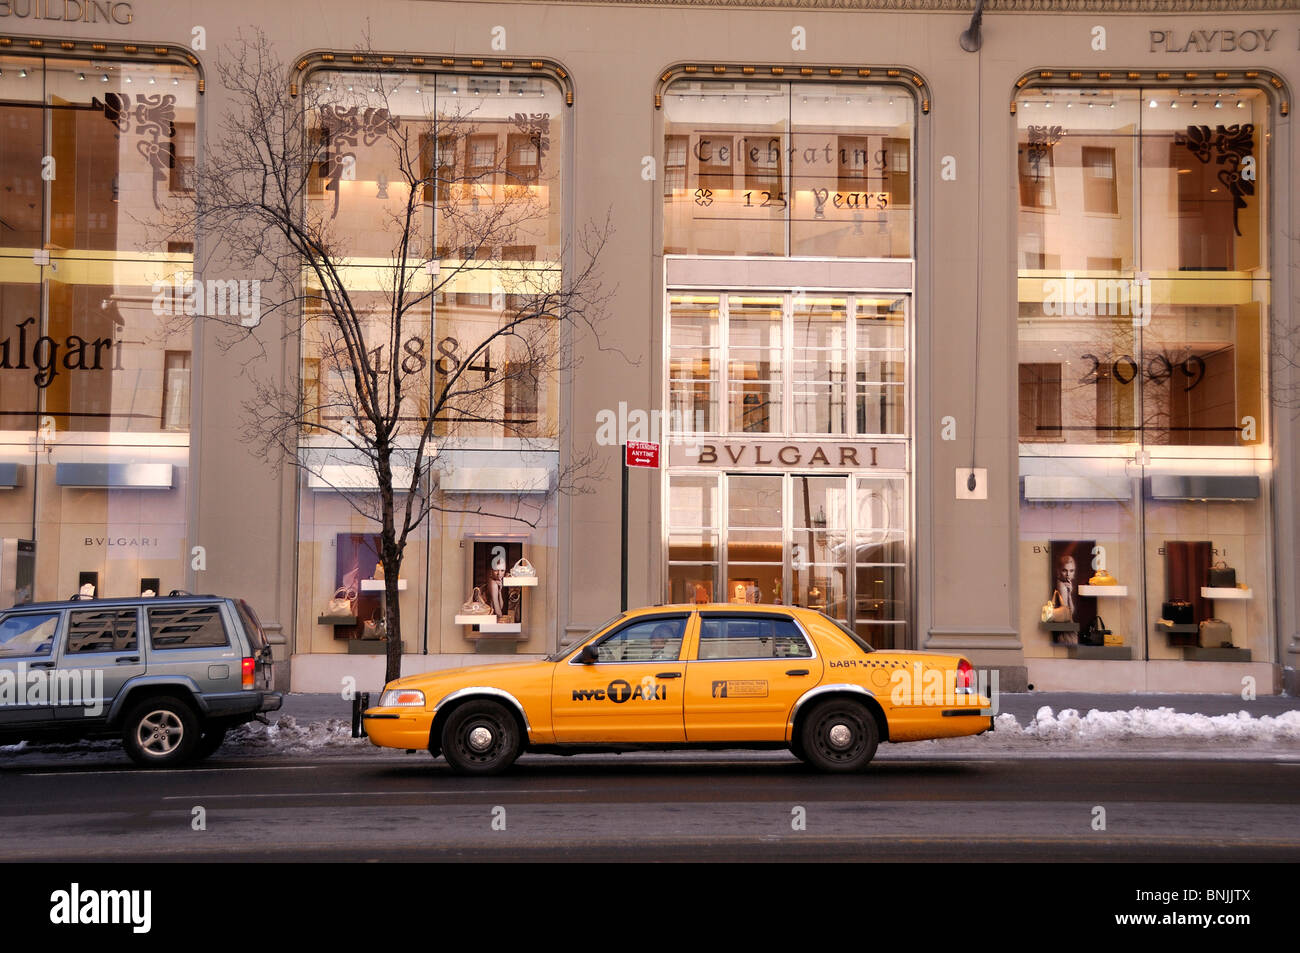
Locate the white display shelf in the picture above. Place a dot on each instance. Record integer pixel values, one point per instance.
(502, 628)
(520, 581)
(379, 585)
(1211, 592)
(471, 619)
(1103, 591)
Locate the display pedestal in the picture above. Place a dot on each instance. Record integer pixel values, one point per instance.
(1114, 653)
(1195, 654)
(490, 646)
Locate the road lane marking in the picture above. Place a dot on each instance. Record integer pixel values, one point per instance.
(501, 792)
(154, 772)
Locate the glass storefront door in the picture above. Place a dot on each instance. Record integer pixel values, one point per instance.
(832, 542)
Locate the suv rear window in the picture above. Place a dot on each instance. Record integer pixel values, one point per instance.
(101, 630)
(252, 625)
(186, 627)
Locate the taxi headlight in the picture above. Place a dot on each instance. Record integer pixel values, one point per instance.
(401, 698)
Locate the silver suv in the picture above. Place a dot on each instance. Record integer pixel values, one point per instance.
(169, 676)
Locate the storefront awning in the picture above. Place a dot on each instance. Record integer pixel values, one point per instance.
(114, 476)
(1203, 487)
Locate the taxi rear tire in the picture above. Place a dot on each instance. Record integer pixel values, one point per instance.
(839, 736)
(480, 738)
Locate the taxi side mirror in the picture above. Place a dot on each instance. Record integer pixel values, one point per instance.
(588, 655)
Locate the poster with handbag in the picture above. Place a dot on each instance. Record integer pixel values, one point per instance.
(355, 555)
(491, 559)
(1070, 566)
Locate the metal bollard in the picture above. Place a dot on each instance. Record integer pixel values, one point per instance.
(360, 702)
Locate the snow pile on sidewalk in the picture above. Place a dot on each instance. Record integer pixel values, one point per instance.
(1070, 729)
(286, 736)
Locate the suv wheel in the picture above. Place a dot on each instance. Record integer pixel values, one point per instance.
(839, 736)
(160, 732)
(213, 736)
(481, 738)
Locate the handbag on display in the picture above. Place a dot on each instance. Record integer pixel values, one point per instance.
(523, 570)
(1053, 611)
(1096, 633)
(1178, 613)
(1222, 576)
(476, 605)
(343, 603)
(1066, 638)
(379, 571)
(1102, 578)
(1216, 632)
(376, 627)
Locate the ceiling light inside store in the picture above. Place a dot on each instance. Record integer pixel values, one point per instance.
(175, 81)
(128, 79)
(103, 78)
(1240, 104)
(81, 77)
(151, 81)
(22, 73)
(1218, 104)
(1152, 104)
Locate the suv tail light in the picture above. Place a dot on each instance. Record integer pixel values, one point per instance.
(965, 676)
(247, 668)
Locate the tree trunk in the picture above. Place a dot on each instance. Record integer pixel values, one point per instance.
(391, 557)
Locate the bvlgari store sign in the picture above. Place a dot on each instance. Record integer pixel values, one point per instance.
(739, 454)
(68, 11)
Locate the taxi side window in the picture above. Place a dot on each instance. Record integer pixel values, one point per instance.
(649, 640)
(748, 637)
(31, 634)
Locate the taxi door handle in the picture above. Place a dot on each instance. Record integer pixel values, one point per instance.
(797, 671)
(668, 674)
(127, 658)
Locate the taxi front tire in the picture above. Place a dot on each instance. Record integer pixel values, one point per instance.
(838, 736)
(480, 738)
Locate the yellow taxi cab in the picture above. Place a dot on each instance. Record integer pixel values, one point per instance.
(688, 676)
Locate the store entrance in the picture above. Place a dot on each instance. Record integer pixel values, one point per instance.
(832, 542)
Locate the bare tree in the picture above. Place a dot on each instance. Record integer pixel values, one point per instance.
(363, 295)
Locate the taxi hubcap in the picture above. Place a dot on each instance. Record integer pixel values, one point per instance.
(480, 739)
(840, 736)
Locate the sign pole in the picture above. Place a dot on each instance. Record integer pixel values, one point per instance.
(622, 604)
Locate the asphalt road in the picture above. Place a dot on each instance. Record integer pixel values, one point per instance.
(698, 806)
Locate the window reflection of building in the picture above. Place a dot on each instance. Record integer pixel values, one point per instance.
(89, 170)
(478, 151)
(1144, 290)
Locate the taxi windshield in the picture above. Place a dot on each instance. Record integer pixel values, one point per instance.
(565, 650)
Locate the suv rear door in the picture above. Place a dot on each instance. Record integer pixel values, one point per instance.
(99, 653)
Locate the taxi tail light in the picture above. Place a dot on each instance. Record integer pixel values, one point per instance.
(248, 669)
(965, 675)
